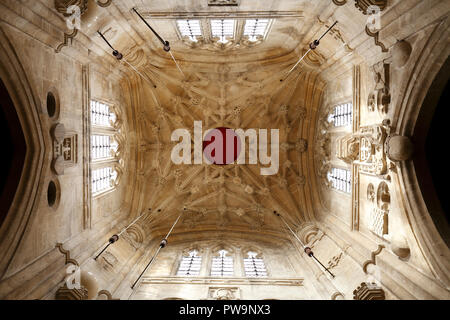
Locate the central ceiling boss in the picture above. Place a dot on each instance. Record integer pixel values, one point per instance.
(226, 146)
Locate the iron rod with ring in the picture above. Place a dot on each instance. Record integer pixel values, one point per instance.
(308, 250)
(161, 245)
(312, 46)
(165, 43)
(115, 237)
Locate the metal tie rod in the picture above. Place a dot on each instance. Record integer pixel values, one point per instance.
(312, 46)
(166, 44)
(116, 237)
(308, 250)
(161, 245)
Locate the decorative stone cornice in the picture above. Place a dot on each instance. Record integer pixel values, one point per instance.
(223, 281)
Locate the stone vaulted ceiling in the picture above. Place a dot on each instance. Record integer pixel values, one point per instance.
(234, 86)
(230, 195)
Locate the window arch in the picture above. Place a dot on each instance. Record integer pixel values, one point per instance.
(190, 265)
(254, 266)
(104, 146)
(222, 264)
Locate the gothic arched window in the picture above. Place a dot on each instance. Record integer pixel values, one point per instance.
(342, 115)
(103, 180)
(104, 146)
(340, 179)
(222, 265)
(190, 28)
(190, 265)
(101, 114)
(256, 28)
(254, 267)
(223, 29)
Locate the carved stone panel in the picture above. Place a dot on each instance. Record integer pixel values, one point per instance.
(348, 148)
(223, 3)
(69, 148)
(372, 156)
(65, 149)
(224, 293)
(380, 97)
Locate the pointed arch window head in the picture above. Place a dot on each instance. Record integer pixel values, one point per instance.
(256, 28)
(254, 266)
(189, 28)
(190, 265)
(340, 179)
(223, 29)
(222, 265)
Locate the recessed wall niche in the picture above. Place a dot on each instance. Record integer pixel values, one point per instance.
(53, 193)
(52, 104)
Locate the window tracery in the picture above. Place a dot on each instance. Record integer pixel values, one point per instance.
(340, 179)
(105, 147)
(254, 266)
(223, 33)
(342, 115)
(190, 265)
(222, 265)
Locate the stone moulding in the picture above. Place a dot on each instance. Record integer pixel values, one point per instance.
(67, 37)
(66, 253)
(28, 107)
(227, 281)
(223, 3)
(373, 257)
(375, 35)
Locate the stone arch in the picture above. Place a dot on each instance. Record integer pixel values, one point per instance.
(214, 251)
(22, 94)
(14, 150)
(184, 252)
(407, 121)
(252, 248)
(222, 246)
